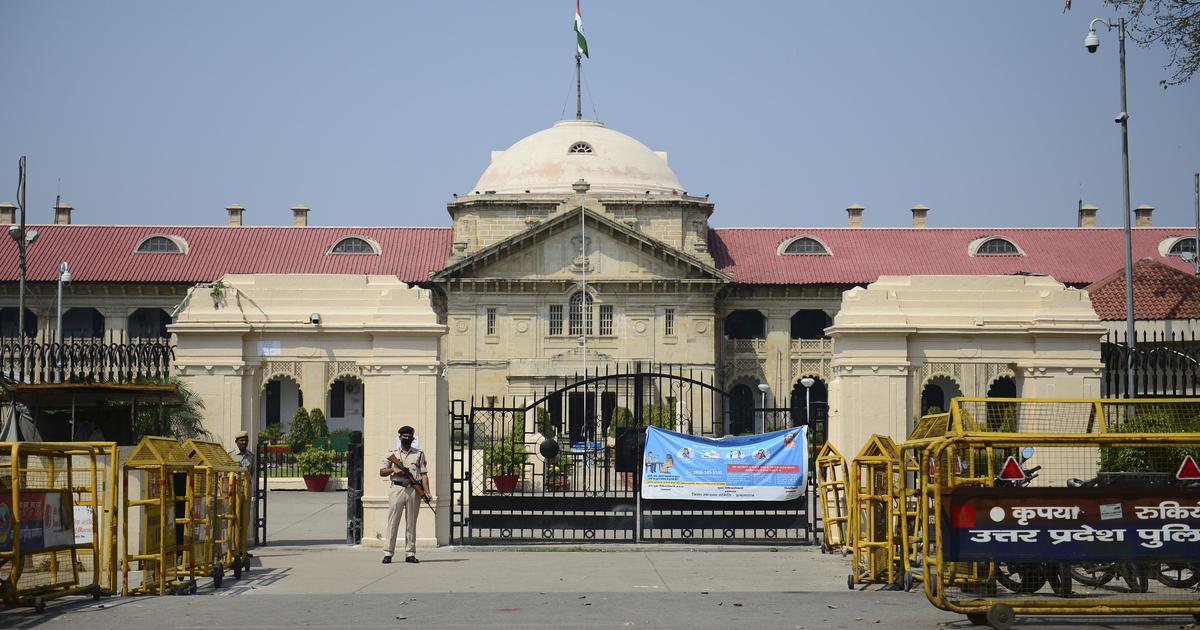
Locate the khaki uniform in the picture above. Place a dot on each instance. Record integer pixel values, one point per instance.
(249, 509)
(403, 501)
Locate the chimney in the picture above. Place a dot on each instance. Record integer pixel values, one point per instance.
(8, 213)
(920, 216)
(62, 213)
(1143, 216)
(1087, 215)
(854, 213)
(235, 213)
(299, 216)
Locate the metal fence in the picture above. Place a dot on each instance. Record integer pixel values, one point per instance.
(1164, 364)
(279, 463)
(85, 360)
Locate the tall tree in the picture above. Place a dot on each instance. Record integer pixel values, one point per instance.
(1173, 24)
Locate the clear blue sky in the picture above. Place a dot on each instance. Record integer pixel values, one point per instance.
(373, 113)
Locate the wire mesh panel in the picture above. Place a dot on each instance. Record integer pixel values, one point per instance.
(45, 550)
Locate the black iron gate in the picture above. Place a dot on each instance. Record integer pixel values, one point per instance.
(564, 467)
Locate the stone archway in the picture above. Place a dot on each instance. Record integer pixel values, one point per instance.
(937, 393)
(280, 397)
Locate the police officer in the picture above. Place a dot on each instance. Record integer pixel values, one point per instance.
(403, 499)
(244, 457)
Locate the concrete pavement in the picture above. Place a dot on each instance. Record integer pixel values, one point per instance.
(308, 577)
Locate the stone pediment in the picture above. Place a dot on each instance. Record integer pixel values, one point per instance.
(551, 251)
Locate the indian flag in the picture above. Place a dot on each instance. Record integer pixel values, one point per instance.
(580, 40)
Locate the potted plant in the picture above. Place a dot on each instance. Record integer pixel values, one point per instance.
(316, 465)
(505, 460)
(558, 475)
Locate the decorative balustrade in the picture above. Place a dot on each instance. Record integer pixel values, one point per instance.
(812, 347)
(85, 360)
(745, 346)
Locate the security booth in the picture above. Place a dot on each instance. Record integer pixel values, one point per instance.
(50, 546)
(158, 482)
(217, 541)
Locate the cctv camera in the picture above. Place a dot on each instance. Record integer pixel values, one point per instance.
(315, 319)
(1091, 42)
(1122, 117)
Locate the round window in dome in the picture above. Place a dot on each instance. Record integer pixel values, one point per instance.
(580, 147)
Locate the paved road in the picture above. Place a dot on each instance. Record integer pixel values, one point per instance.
(306, 577)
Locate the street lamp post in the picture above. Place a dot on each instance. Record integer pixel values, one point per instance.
(64, 275)
(1092, 43)
(807, 382)
(763, 387)
(24, 239)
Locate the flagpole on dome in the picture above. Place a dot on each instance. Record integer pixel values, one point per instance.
(581, 51)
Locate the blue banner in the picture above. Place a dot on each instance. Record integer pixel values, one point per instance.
(767, 467)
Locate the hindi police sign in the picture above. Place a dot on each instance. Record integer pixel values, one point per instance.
(767, 467)
(1104, 524)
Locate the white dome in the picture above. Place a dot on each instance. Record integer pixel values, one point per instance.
(550, 160)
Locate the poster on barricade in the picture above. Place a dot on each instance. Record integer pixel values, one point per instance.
(1071, 524)
(46, 521)
(768, 467)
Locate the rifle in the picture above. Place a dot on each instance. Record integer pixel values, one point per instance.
(417, 486)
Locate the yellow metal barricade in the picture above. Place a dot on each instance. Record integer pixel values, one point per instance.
(913, 498)
(45, 552)
(875, 546)
(1081, 506)
(96, 502)
(833, 492)
(214, 513)
(163, 470)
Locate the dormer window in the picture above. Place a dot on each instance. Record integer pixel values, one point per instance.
(161, 245)
(994, 246)
(1183, 246)
(580, 147)
(804, 246)
(354, 245)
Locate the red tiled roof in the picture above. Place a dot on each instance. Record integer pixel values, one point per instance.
(105, 253)
(861, 255)
(1159, 292)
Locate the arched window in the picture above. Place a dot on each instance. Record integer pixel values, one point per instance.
(580, 318)
(1183, 246)
(806, 246)
(745, 324)
(810, 324)
(148, 322)
(997, 247)
(159, 245)
(87, 323)
(580, 147)
(352, 245)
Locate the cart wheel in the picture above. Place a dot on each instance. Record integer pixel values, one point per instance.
(977, 619)
(218, 575)
(850, 581)
(96, 593)
(906, 581)
(237, 568)
(1196, 616)
(1000, 616)
(190, 589)
(39, 604)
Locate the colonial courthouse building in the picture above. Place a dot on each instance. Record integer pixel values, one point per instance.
(579, 235)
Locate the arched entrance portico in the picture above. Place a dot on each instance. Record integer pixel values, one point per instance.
(937, 394)
(281, 396)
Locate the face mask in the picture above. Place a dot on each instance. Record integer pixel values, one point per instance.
(405, 443)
